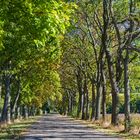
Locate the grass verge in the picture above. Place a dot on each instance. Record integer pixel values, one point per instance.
(111, 130)
(14, 130)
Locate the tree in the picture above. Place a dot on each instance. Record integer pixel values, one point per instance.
(29, 30)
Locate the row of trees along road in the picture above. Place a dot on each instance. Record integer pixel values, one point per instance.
(78, 71)
(30, 35)
(100, 57)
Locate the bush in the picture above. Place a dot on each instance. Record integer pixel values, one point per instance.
(134, 103)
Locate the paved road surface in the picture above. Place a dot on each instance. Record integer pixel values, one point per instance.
(56, 127)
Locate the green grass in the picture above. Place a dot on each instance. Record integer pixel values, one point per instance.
(14, 130)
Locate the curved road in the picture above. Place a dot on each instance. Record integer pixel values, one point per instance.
(57, 127)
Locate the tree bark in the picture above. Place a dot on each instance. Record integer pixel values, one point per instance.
(32, 111)
(98, 101)
(15, 102)
(98, 87)
(86, 100)
(18, 112)
(83, 106)
(25, 114)
(103, 96)
(0, 87)
(64, 103)
(105, 39)
(93, 101)
(6, 108)
(69, 103)
(127, 92)
(80, 91)
(0, 93)
(115, 91)
(126, 70)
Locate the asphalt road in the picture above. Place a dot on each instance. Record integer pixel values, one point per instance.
(57, 127)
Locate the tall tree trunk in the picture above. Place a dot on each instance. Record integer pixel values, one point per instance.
(104, 102)
(86, 100)
(6, 108)
(83, 106)
(103, 79)
(33, 110)
(98, 88)
(93, 101)
(103, 94)
(127, 92)
(0, 93)
(98, 101)
(63, 111)
(115, 91)
(15, 102)
(126, 70)
(79, 104)
(18, 112)
(114, 87)
(80, 91)
(0, 87)
(25, 114)
(69, 103)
